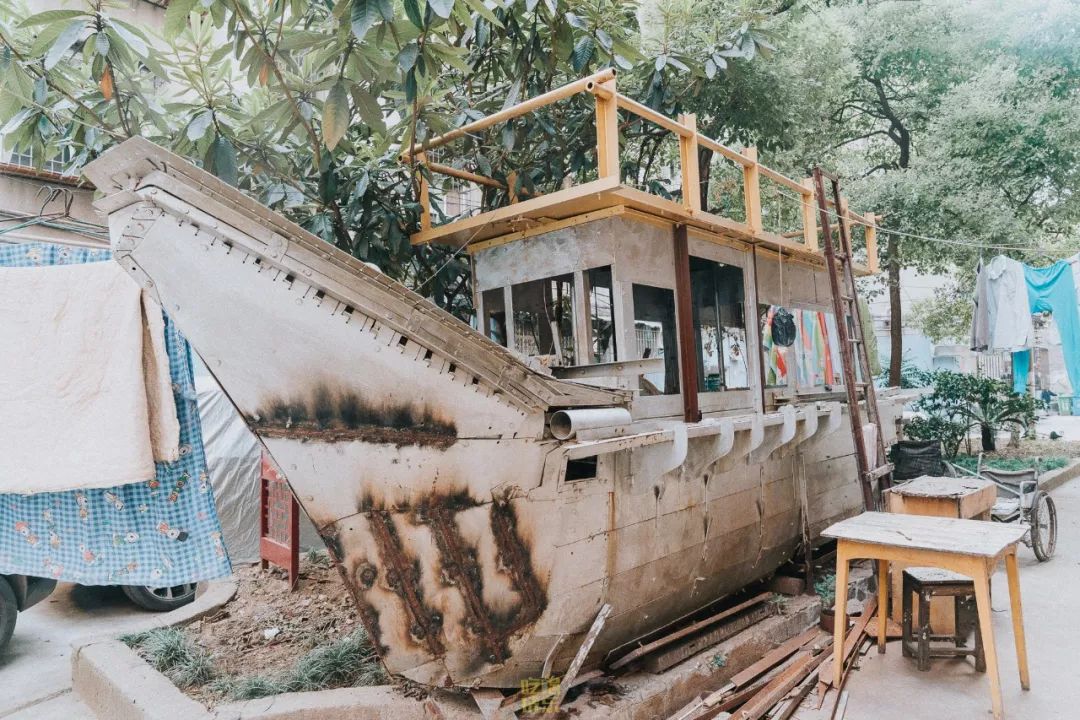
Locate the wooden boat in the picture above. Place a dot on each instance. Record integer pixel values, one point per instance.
(483, 505)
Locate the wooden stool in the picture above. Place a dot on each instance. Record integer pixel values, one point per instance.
(928, 583)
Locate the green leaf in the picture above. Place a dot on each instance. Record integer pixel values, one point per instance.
(50, 16)
(442, 8)
(583, 53)
(661, 62)
(132, 36)
(198, 125)
(64, 42)
(576, 22)
(412, 11)
(368, 108)
(481, 9)
(222, 159)
(710, 68)
(406, 59)
(176, 17)
(335, 115)
(101, 44)
(365, 13)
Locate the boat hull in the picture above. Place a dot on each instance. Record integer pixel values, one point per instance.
(473, 557)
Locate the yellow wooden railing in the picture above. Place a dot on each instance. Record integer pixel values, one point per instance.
(608, 102)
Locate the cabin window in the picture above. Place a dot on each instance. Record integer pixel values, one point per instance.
(544, 319)
(602, 314)
(581, 469)
(495, 315)
(654, 330)
(719, 324)
(804, 345)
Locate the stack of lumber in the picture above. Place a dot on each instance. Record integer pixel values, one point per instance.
(775, 686)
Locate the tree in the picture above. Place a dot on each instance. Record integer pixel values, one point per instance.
(307, 105)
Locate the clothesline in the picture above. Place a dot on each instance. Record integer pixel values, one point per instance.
(927, 238)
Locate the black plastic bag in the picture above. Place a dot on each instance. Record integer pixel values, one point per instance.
(783, 328)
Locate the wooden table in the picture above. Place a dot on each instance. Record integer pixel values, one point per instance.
(969, 547)
(961, 497)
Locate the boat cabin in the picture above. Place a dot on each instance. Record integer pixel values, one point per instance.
(611, 282)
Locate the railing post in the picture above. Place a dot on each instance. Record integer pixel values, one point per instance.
(871, 243)
(607, 131)
(425, 197)
(688, 156)
(809, 222)
(752, 191)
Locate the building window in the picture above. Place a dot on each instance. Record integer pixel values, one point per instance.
(544, 319)
(602, 315)
(720, 325)
(495, 315)
(654, 329)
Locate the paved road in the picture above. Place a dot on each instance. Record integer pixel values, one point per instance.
(35, 668)
(887, 687)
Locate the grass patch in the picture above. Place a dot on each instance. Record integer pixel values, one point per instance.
(171, 652)
(970, 462)
(347, 662)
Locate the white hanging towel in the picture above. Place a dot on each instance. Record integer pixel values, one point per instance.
(1008, 306)
(85, 393)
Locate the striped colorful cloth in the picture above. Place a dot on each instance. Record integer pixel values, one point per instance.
(159, 533)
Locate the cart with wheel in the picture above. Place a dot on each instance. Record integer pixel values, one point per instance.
(1021, 499)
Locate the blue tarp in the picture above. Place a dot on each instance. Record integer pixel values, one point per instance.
(1052, 289)
(160, 533)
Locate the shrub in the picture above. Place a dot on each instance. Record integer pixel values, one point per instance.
(962, 402)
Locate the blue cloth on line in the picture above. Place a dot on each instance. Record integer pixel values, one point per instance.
(1052, 289)
(1021, 367)
(158, 533)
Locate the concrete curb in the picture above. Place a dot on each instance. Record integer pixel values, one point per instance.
(1056, 478)
(363, 703)
(114, 682)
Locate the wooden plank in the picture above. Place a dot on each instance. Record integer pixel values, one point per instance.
(513, 111)
(666, 658)
(761, 703)
(948, 535)
(773, 657)
(688, 155)
(689, 630)
(607, 132)
(688, 360)
(809, 221)
(752, 191)
(643, 111)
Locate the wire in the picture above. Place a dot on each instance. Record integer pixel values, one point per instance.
(915, 236)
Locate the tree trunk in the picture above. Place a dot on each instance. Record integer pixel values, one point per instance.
(988, 438)
(896, 318)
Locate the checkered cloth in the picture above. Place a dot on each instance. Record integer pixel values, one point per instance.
(159, 533)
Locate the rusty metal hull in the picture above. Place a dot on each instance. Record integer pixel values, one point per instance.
(419, 448)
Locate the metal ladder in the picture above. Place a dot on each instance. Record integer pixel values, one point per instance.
(852, 345)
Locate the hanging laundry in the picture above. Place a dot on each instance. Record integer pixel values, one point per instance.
(980, 317)
(84, 381)
(1053, 290)
(1009, 317)
(161, 532)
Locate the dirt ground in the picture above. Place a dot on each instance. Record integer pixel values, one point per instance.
(266, 628)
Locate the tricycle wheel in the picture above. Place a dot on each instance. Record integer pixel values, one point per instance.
(9, 611)
(1043, 525)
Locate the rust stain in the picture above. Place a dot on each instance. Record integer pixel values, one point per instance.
(461, 566)
(515, 558)
(403, 577)
(330, 416)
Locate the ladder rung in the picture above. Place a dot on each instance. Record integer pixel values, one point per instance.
(847, 298)
(880, 471)
(855, 341)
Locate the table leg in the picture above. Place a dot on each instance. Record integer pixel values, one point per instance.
(1017, 618)
(981, 578)
(840, 613)
(883, 605)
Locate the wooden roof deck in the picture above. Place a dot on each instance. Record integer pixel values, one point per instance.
(607, 195)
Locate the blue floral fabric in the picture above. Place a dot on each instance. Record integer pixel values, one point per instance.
(159, 533)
